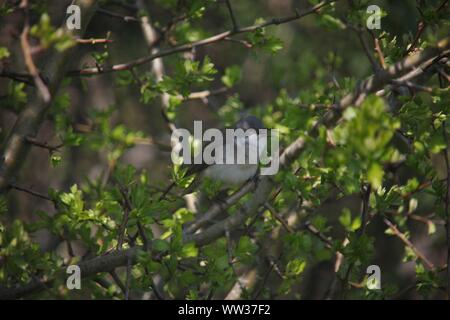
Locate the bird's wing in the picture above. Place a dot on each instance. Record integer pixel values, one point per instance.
(198, 168)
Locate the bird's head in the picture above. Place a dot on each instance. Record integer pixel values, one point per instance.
(250, 122)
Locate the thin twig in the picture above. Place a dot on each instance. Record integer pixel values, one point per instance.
(233, 19)
(102, 282)
(443, 74)
(127, 209)
(19, 77)
(231, 259)
(43, 145)
(369, 55)
(189, 46)
(315, 232)
(118, 281)
(94, 41)
(378, 49)
(206, 93)
(155, 290)
(273, 266)
(413, 86)
(365, 196)
(26, 50)
(158, 69)
(367, 189)
(69, 246)
(408, 243)
(117, 15)
(243, 42)
(330, 293)
(421, 25)
(30, 191)
(278, 217)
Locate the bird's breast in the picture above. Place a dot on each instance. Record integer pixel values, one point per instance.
(231, 174)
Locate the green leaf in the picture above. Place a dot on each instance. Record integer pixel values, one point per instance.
(189, 250)
(188, 74)
(437, 142)
(375, 175)
(346, 220)
(332, 22)
(259, 39)
(16, 97)
(183, 215)
(295, 267)
(55, 160)
(232, 76)
(431, 227)
(50, 36)
(160, 245)
(4, 53)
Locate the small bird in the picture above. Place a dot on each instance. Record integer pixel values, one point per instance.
(229, 174)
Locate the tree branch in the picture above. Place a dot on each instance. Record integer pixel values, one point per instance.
(378, 49)
(26, 50)
(31, 192)
(157, 64)
(408, 243)
(365, 195)
(189, 46)
(369, 55)
(377, 81)
(421, 26)
(206, 93)
(43, 145)
(264, 187)
(30, 119)
(117, 15)
(233, 19)
(94, 41)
